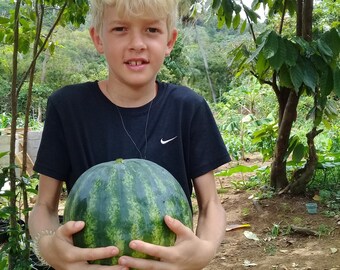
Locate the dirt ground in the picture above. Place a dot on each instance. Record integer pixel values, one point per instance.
(278, 245)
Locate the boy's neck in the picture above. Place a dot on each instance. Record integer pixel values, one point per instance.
(127, 97)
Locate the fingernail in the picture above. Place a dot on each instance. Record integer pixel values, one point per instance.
(133, 244)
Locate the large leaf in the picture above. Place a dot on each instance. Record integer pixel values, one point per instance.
(261, 65)
(310, 76)
(228, 11)
(284, 76)
(296, 76)
(298, 153)
(271, 45)
(326, 82)
(216, 4)
(236, 20)
(292, 53)
(324, 48)
(279, 57)
(253, 16)
(336, 78)
(332, 39)
(293, 142)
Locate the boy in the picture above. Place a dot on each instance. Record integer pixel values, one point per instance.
(130, 115)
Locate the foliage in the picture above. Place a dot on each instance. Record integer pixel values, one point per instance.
(293, 66)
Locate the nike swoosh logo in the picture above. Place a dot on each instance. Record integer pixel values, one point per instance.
(167, 141)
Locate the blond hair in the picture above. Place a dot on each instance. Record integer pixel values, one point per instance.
(136, 8)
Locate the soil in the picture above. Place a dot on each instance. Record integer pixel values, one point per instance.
(278, 245)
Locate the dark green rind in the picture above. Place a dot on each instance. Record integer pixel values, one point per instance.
(124, 200)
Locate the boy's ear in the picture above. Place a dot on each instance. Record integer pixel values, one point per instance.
(96, 40)
(171, 42)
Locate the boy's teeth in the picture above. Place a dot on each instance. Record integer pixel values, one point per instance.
(135, 63)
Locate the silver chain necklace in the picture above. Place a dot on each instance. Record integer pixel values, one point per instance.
(145, 131)
(128, 134)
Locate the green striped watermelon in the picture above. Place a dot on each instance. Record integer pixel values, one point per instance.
(124, 200)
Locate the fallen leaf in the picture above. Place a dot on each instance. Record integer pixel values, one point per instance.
(334, 250)
(251, 236)
(316, 198)
(247, 263)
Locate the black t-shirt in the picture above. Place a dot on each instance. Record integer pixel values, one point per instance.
(83, 128)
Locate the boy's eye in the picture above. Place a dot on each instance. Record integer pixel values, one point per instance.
(119, 29)
(152, 30)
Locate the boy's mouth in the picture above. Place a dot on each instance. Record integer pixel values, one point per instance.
(136, 62)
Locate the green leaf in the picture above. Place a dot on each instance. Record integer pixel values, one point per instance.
(298, 153)
(332, 39)
(324, 48)
(216, 4)
(4, 20)
(228, 11)
(2, 154)
(280, 56)
(310, 76)
(326, 82)
(293, 141)
(237, 169)
(261, 64)
(243, 26)
(318, 117)
(336, 78)
(292, 53)
(284, 76)
(236, 21)
(296, 75)
(271, 45)
(253, 16)
(255, 53)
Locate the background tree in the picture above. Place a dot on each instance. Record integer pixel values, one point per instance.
(23, 32)
(293, 66)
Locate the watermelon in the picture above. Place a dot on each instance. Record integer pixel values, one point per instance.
(125, 200)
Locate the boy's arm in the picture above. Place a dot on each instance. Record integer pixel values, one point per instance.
(54, 242)
(44, 215)
(212, 217)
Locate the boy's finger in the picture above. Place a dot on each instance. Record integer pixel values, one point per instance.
(92, 254)
(70, 228)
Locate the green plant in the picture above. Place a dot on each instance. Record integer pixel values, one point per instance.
(323, 230)
(126, 199)
(245, 211)
(275, 231)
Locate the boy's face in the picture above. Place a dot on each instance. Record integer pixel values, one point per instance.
(134, 48)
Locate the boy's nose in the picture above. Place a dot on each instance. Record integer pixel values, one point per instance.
(137, 42)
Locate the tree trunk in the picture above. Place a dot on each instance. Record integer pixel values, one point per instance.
(304, 175)
(307, 17)
(278, 177)
(12, 175)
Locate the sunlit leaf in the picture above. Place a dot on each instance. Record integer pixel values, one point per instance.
(236, 20)
(298, 152)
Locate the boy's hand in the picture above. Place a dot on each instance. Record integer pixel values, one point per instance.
(188, 253)
(63, 255)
